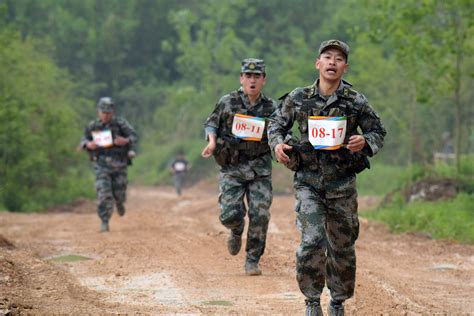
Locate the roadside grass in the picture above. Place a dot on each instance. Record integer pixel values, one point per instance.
(449, 219)
(379, 179)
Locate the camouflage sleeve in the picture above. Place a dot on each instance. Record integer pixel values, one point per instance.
(87, 137)
(372, 128)
(128, 131)
(281, 121)
(213, 121)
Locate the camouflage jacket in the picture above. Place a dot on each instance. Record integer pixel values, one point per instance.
(246, 158)
(116, 155)
(301, 103)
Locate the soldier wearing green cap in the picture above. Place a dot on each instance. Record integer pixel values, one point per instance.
(237, 138)
(330, 152)
(111, 143)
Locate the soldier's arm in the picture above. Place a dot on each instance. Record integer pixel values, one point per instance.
(211, 126)
(87, 140)
(372, 128)
(280, 122)
(129, 132)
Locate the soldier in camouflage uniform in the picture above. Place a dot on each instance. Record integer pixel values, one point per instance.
(236, 131)
(179, 167)
(111, 144)
(325, 180)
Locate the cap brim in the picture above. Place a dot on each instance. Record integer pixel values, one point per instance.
(339, 48)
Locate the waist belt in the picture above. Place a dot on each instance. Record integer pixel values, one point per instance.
(253, 149)
(112, 152)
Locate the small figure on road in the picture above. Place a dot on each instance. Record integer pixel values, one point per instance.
(237, 137)
(326, 160)
(179, 167)
(111, 143)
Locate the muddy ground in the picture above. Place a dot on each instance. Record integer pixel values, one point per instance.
(168, 255)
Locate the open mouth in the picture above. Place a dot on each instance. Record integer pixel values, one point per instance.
(252, 86)
(331, 70)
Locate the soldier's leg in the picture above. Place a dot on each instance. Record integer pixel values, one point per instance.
(310, 255)
(342, 232)
(119, 189)
(259, 199)
(179, 182)
(105, 200)
(231, 202)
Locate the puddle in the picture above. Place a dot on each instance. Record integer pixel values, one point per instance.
(283, 296)
(218, 303)
(444, 266)
(148, 289)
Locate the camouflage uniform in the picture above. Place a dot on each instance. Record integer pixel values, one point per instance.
(325, 186)
(110, 164)
(180, 167)
(246, 168)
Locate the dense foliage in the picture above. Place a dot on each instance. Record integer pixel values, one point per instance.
(167, 62)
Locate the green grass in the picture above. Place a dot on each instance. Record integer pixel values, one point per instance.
(453, 219)
(379, 179)
(69, 258)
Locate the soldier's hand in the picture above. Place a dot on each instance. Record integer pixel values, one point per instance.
(356, 143)
(91, 145)
(120, 141)
(280, 154)
(208, 150)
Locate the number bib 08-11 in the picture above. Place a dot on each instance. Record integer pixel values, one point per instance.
(103, 138)
(327, 132)
(248, 127)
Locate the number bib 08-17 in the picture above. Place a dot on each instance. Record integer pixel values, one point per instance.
(327, 132)
(248, 127)
(103, 138)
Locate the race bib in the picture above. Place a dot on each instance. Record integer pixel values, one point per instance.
(180, 166)
(103, 138)
(248, 127)
(327, 132)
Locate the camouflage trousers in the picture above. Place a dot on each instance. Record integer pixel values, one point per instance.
(329, 227)
(111, 186)
(258, 193)
(179, 182)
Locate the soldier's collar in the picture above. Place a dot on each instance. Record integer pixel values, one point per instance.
(344, 89)
(259, 99)
(312, 90)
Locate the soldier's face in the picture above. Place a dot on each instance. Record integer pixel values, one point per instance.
(106, 117)
(252, 84)
(332, 64)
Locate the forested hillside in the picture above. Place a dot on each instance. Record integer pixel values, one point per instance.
(167, 62)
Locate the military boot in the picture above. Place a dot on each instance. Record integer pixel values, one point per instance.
(251, 268)
(120, 209)
(234, 243)
(335, 309)
(104, 227)
(313, 309)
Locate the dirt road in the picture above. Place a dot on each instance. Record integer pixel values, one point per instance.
(168, 256)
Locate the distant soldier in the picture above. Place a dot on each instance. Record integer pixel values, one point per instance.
(326, 159)
(111, 143)
(179, 167)
(237, 135)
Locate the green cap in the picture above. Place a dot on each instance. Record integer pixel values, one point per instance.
(253, 65)
(105, 104)
(340, 45)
